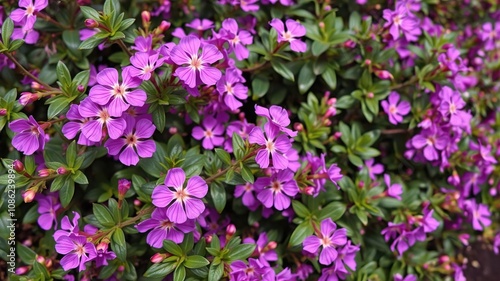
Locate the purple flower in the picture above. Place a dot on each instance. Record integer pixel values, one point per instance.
(264, 249)
(253, 271)
(277, 189)
(373, 169)
(452, 61)
(164, 229)
(394, 110)
(248, 192)
(393, 190)
(77, 251)
(451, 105)
(410, 277)
(201, 24)
(478, 213)
(27, 16)
(490, 35)
(144, 64)
(75, 125)
(143, 44)
(230, 87)
(103, 255)
(428, 222)
(277, 116)
(30, 136)
(275, 146)
(67, 227)
(47, 208)
(211, 133)
(329, 239)
(346, 257)
(182, 202)
(194, 66)
(237, 39)
(430, 140)
(402, 20)
(101, 118)
(134, 143)
(117, 96)
(334, 174)
(294, 29)
(28, 34)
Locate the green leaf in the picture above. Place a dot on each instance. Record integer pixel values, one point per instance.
(218, 194)
(215, 272)
(71, 154)
(159, 118)
(223, 155)
(119, 244)
(188, 243)
(160, 270)
(300, 233)
(79, 177)
(330, 78)
(195, 262)
(72, 39)
(319, 47)
(306, 78)
(155, 165)
(180, 273)
(241, 252)
(300, 209)
(172, 248)
(355, 160)
(26, 254)
(57, 105)
(334, 210)
(282, 70)
(16, 44)
(63, 74)
(67, 191)
(103, 215)
(260, 85)
(89, 12)
(7, 29)
(238, 146)
(247, 174)
(90, 43)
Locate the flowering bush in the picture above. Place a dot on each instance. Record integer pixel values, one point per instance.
(248, 140)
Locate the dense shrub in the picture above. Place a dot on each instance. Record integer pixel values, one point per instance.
(248, 140)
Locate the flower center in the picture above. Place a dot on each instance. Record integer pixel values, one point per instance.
(208, 133)
(180, 195)
(431, 140)
(235, 40)
(131, 140)
(34, 130)
(250, 270)
(453, 108)
(147, 69)
(397, 20)
(80, 250)
(104, 116)
(119, 90)
(196, 63)
(248, 187)
(229, 89)
(326, 242)
(276, 186)
(30, 10)
(270, 146)
(392, 109)
(287, 36)
(166, 224)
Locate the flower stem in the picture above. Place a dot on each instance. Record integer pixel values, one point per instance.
(124, 48)
(27, 73)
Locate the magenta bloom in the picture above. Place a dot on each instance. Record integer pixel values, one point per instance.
(264, 249)
(201, 24)
(47, 208)
(275, 146)
(236, 39)
(182, 203)
(373, 169)
(77, 251)
(134, 143)
(103, 255)
(277, 189)
(194, 66)
(428, 222)
(101, 118)
(144, 64)
(393, 190)
(430, 140)
(67, 227)
(230, 87)
(330, 239)
(489, 35)
(248, 192)
(211, 133)
(30, 136)
(399, 277)
(27, 16)
(75, 125)
(451, 105)
(164, 229)
(118, 95)
(29, 35)
(401, 20)
(278, 117)
(294, 29)
(479, 214)
(394, 110)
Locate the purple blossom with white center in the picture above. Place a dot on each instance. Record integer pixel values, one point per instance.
(143, 44)
(100, 118)
(48, 205)
(451, 105)
(232, 90)
(276, 145)
(490, 35)
(194, 68)
(410, 277)
(210, 132)
(255, 270)
(329, 239)
(28, 34)
(162, 228)
(452, 60)
(394, 190)
(395, 109)
(144, 64)
(373, 169)
(294, 30)
(277, 116)
(247, 192)
(346, 257)
(75, 125)
(201, 24)
(182, 203)
(29, 136)
(236, 39)
(67, 227)
(134, 143)
(400, 20)
(479, 214)
(77, 251)
(27, 16)
(115, 94)
(264, 249)
(276, 190)
(430, 140)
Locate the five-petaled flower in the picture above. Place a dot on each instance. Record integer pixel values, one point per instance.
(211, 133)
(395, 109)
(294, 30)
(77, 251)
(30, 136)
(275, 146)
(329, 239)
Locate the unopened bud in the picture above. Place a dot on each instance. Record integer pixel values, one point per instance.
(368, 62)
(230, 230)
(241, 116)
(464, 238)
(48, 263)
(103, 246)
(384, 74)
(62, 171)
(80, 88)
(123, 186)
(146, 17)
(3, 111)
(493, 191)
(308, 190)
(29, 195)
(36, 86)
(327, 122)
(444, 259)
(18, 166)
(158, 257)
(164, 25)
(27, 98)
(22, 270)
(349, 44)
(91, 23)
(44, 173)
(208, 238)
(370, 95)
(40, 259)
(172, 130)
(137, 202)
(272, 245)
(298, 127)
(321, 25)
(337, 135)
(121, 268)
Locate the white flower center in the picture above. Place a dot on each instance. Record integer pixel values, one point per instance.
(195, 62)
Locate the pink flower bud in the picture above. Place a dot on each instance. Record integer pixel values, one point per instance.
(18, 166)
(230, 230)
(80, 88)
(272, 245)
(62, 171)
(103, 246)
(172, 130)
(157, 258)
(321, 25)
(40, 259)
(368, 62)
(384, 74)
(337, 135)
(91, 23)
(123, 186)
(164, 25)
(27, 98)
(137, 202)
(444, 259)
(370, 95)
(309, 190)
(121, 268)
(44, 173)
(22, 270)
(298, 127)
(146, 17)
(29, 195)
(3, 111)
(464, 238)
(208, 238)
(493, 191)
(48, 263)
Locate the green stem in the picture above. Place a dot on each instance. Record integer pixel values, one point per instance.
(124, 48)
(27, 73)
(235, 164)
